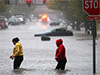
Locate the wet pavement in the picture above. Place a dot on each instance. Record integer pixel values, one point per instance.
(39, 55)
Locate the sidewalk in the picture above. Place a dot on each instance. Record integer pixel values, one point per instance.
(83, 34)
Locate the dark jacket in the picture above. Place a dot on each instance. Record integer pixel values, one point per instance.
(60, 52)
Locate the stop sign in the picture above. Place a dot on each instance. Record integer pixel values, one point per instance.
(91, 7)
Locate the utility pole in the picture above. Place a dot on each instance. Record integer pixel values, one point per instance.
(16, 2)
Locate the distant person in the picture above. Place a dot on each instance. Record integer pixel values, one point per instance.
(60, 55)
(17, 53)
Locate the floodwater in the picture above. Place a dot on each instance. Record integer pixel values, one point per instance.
(39, 56)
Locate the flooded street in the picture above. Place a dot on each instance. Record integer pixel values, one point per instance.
(26, 18)
(39, 56)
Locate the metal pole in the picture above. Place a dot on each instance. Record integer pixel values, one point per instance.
(8, 2)
(16, 2)
(96, 29)
(94, 51)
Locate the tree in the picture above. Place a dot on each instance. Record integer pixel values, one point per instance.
(57, 4)
(3, 7)
(52, 4)
(72, 9)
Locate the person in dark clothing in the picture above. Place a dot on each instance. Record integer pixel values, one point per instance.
(17, 53)
(60, 56)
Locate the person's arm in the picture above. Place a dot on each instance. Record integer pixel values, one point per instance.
(60, 52)
(17, 50)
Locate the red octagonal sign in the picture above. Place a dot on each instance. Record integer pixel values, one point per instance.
(91, 7)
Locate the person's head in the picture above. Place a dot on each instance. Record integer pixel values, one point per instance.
(15, 40)
(59, 42)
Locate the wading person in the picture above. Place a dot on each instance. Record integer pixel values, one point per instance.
(60, 55)
(17, 53)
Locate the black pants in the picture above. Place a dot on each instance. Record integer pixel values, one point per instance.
(17, 61)
(61, 64)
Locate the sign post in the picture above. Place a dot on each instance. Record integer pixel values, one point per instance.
(94, 48)
(92, 8)
(96, 29)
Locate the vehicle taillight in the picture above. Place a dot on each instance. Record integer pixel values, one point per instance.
(44, 18)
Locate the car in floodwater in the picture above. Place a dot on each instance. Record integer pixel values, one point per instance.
(55, 23)
(3, 23)
(21, 17)
(13, 21)
(56, 32)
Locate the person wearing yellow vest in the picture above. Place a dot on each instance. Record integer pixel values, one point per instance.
(17, 53)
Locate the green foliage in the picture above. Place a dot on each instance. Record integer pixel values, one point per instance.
(72, 9)
(52, 4)
(3, 6)
(57, 4)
